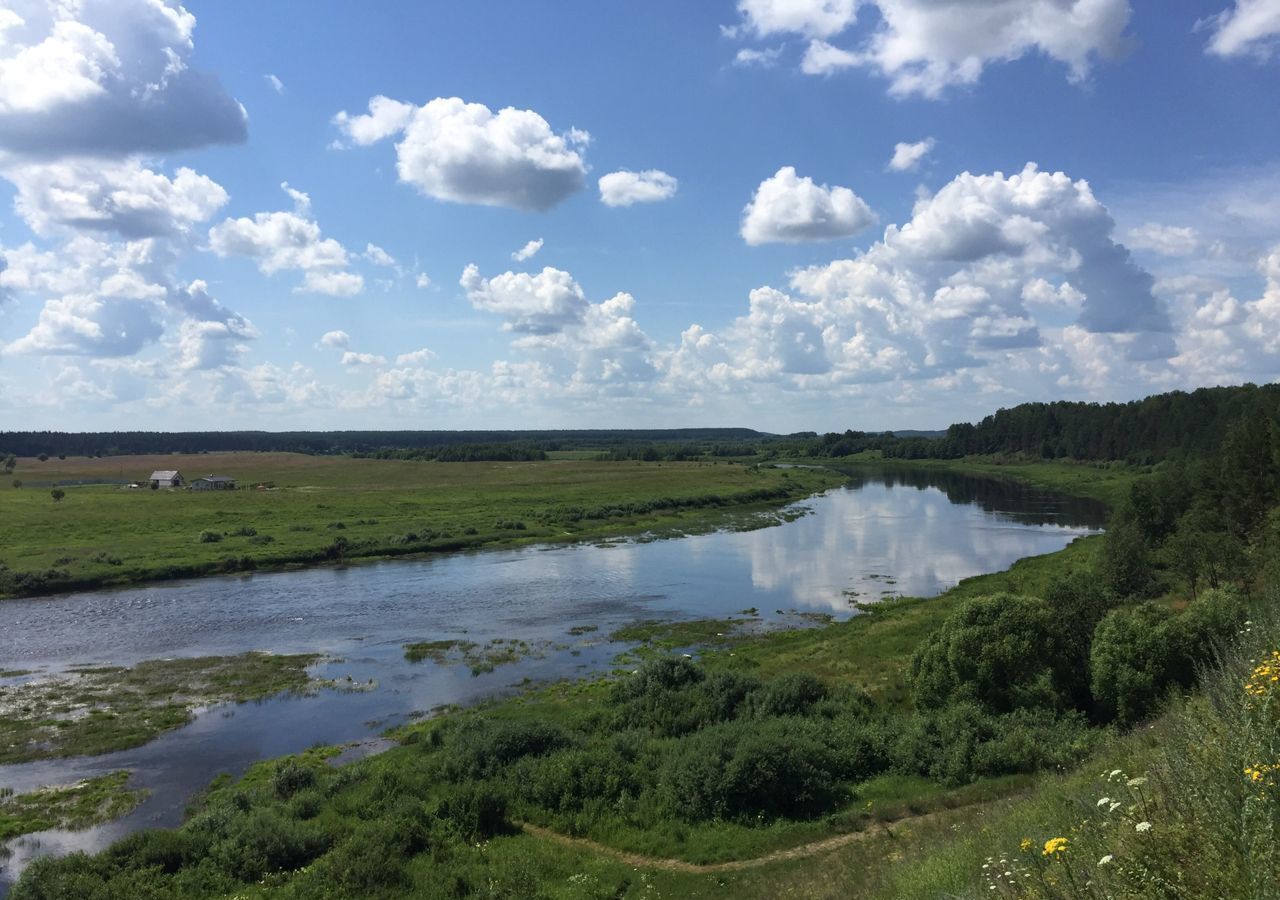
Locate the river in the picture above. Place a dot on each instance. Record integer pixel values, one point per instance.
(914, 534)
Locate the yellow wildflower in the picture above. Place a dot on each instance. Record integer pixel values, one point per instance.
(1055, 846)
(1025, 845)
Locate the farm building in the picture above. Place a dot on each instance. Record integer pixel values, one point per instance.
(213, 483)
(166, 478)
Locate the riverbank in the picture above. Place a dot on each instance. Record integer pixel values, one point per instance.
(308, 511)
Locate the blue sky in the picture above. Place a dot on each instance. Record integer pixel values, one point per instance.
(783, 214)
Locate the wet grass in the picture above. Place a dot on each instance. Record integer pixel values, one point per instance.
(93, 710)
(479, 658)
(70, 806)
(109, 535)
(658, 638)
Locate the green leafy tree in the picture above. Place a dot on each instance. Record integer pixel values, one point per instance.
(1127, 562)
(57, 494)
(1000, 652)
(1077, 602)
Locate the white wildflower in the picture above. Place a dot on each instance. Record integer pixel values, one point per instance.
(1106, 860)
(1142, 826)
(1104, 801)
(1135, 782)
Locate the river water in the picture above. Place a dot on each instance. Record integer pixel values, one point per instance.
(883, 534)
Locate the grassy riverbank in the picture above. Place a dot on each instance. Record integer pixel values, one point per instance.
(324, 509)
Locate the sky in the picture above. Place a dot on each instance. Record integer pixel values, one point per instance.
(788, 215)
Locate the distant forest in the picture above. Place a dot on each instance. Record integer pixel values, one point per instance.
(1174, 425)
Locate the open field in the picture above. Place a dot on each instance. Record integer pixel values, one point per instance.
(324, 509)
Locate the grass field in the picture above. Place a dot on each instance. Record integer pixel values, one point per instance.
(329, 508)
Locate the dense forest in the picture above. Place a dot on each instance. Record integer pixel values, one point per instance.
(1164, 426)
(1175, 425)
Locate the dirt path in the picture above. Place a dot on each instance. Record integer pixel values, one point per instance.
(679, 865)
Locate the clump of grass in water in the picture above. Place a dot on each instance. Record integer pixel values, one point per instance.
(72, 806)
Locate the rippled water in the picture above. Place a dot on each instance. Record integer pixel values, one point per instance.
(914, 534)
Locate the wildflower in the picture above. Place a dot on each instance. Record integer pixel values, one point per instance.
(1142, 827)
(1054, 846)
(1115, 773)
(1025, 845)
(1135, 782)
(1113, 806)
(1106, 860)
(1104, 801)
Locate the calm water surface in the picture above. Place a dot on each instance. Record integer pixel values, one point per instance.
(915, 534)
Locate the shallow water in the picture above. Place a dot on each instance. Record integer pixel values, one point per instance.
(915, 534)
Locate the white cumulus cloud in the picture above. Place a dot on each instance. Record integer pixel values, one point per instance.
(925, 46)
(624, 188)
(528, 250)
(288, 240)
(1168, 240)
(336, 339)
(547, 302)
(122, 197)
(1247, 27)
(812, 18)
(107, 78)
(907, 157)
(466, 153)
(789, 209)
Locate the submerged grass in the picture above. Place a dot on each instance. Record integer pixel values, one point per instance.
(96, 710)
(480, 658)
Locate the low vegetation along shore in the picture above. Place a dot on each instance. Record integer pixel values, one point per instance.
(314, 510)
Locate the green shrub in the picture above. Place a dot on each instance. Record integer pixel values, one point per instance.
(1142, 652)
(210, 537)
(961, 742)
(751, 770)
(476, 812)
(793, 694)
(481, 748)
(570, 780)
(291, 776)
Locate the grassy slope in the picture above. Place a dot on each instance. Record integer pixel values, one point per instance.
(109, 535)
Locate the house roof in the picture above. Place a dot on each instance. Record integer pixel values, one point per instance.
(218, 478)
(164, 474)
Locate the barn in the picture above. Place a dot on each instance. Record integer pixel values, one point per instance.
(166, 478)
